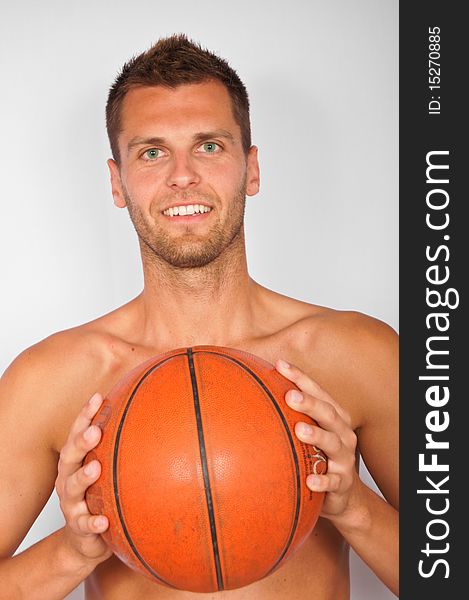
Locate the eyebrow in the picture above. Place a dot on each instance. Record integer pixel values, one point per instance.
(201, 135)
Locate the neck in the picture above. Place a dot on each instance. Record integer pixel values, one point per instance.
(215, 304)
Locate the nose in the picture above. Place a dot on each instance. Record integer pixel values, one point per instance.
(182, 173)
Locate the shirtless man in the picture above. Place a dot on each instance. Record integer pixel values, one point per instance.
(180, 137)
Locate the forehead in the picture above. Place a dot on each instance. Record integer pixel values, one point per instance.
(158, 110)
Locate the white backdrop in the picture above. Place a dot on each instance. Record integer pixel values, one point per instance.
(322, 79)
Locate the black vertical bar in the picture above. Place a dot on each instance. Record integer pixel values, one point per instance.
(433, 293)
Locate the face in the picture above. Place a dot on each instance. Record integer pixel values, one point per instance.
(183, 173)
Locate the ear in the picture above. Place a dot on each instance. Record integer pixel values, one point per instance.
(253, 173)
(116, 184)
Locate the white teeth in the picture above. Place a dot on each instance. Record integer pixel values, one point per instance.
(189, 209)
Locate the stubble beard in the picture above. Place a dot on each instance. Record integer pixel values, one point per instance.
(189, 251)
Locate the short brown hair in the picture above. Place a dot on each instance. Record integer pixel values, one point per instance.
(171, 62)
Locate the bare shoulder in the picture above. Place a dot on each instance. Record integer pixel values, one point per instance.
(353, 356)
(353, 332)
(45, 386)
(59, 355)
(314, 323)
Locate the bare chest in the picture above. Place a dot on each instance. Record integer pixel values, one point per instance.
(317, 571)
(116, 364)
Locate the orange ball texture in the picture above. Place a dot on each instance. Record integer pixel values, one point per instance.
(203, 477)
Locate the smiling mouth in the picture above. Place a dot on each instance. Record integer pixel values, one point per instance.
(187, 210)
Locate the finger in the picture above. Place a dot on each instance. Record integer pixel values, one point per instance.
(75, 450)
(330, 443)
(308, 385)
(91, 524)
(324, 483)
(85, 416)
(298, 377)
(77, 484)
(324, 413)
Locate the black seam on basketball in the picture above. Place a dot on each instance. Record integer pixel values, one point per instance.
(290, 438)
(114, 470)
(203, 459)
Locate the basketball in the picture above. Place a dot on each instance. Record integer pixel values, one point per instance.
(203, 477)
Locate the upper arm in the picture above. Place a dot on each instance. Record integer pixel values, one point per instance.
(378, 435)
(28, 464)
(354, 357)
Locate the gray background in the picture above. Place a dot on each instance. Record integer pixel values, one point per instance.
(322, 79)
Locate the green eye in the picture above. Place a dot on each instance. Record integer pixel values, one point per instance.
(210, 147)
(152, 153)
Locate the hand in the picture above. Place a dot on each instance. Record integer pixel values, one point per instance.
(334, 436)
(82, 529)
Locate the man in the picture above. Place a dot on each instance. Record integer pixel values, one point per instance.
(178, 123)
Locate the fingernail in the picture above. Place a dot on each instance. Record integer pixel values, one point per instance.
(305, 429)
(295, 396)
(95, 400)
(90, 469)
(88, 435)
(313, 480)
(99, 522)
(283, 364)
